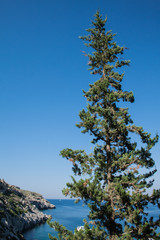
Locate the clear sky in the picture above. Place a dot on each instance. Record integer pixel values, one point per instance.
(43, 72)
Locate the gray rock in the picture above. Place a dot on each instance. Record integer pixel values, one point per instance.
(20, 211)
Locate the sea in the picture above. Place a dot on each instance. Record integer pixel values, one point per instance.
(70, 215)
(67, 213)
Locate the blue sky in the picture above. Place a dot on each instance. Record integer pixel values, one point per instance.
(43, 72)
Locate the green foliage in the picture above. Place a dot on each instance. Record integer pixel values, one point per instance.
(114, 178)
(87, 233)
(10, 204)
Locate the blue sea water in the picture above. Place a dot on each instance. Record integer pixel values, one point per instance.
(67, 213)
(70, 215)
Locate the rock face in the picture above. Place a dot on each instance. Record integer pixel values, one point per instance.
(19, 211)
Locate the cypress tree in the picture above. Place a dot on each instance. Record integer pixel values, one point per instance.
(116, 176)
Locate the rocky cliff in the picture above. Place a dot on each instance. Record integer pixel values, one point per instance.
(19, 211)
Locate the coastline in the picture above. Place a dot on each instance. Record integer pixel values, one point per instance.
(20, 210)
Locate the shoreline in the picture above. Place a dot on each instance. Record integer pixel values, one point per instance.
(20, 210)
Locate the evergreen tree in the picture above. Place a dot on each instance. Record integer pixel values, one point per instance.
(115, 177)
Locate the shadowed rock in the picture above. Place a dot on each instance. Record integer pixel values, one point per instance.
(19, 211)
